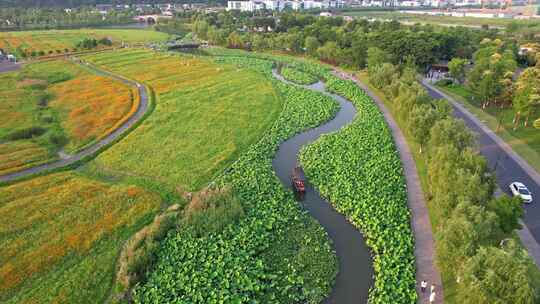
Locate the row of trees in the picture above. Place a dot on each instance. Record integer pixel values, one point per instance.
(336, 41)
(46, 18)
(493, 80)
(473, 226)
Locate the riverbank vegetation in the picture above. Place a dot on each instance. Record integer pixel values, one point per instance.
(269, 250)
(475, 249)
(268, 247)
(298, 76)
(46, 257)
(57, 104)
(358, 169)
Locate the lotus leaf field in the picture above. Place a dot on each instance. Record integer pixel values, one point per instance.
(298, 76)
(365, 182)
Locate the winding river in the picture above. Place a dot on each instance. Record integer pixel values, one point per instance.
(355, 276)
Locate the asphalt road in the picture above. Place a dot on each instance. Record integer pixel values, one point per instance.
(507, 169)
(6, 66)
(93, 149)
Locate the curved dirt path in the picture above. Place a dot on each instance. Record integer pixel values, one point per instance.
(67, 160)
(424, 249)
(355, 276)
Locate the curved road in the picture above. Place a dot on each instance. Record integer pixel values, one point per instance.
(93, 149)
(355, 276)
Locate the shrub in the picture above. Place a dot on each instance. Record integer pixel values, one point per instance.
(57, 77)
(445, 82)
(26, 133)
(211, 210)
(57, 138)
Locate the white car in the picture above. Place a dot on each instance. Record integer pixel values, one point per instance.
(519, 189)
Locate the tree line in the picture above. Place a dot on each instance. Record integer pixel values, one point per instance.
(335, 40)
(14, 18)
(474, 243)
(79, 3)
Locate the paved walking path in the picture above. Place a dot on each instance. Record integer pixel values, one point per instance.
(6, 66)
(66, 159)
(509, 168)
(424, 244)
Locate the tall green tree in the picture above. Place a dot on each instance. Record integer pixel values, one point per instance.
(311, 44)
(527, 94)
(456, 66)
(234, 41)
(375, 58)
(509, 210)
(421, 120)
(498, 276)
(468, 227)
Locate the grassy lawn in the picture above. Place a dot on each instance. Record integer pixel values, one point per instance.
(206, 114)
(524, 141)
(53, 104)
(421, 167)
(53, 40)
(61, 235)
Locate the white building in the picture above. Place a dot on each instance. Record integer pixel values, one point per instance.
(468, 3)
(253, 5)
(410, 3)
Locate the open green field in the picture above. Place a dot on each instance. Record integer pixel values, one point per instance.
(61, 235)
(60, 40)
(205, 115)
(524, 140)
(441, 20)
(56, 104)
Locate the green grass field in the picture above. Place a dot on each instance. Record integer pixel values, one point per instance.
(205, 115)
(53, 40)
(524, 140)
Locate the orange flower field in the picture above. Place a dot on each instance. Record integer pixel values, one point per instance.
(19, 155)
(85, 107)
(65, 227)
(92, 106)
(53, 40)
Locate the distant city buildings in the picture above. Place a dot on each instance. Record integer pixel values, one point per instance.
(279, 5)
